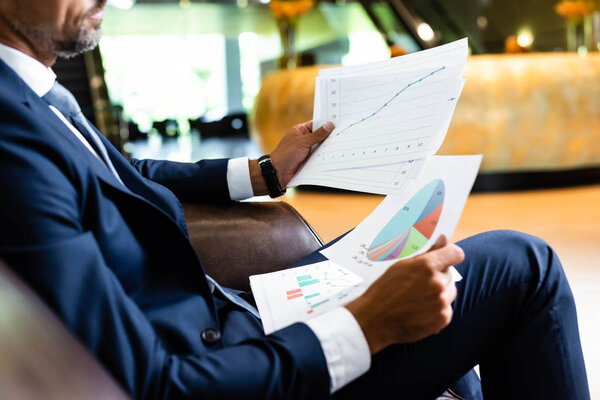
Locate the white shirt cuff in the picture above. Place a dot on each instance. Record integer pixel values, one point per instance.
(344, 345)
(238, 179)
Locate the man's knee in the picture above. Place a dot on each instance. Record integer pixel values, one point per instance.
(512, 257)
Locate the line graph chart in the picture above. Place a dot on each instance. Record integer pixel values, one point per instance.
(400, 121)
(453, 55)
(385, 113)
(405, 88)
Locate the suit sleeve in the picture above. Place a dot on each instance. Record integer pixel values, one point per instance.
(42, 238)
(203, 181)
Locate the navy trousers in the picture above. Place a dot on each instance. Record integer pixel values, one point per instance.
(514, 316)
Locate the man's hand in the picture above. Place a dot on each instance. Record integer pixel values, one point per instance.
(411, 300)
(291, 152)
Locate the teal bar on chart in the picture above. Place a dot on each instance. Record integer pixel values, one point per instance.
(306, 283)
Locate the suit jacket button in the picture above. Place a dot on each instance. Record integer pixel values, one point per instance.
(210, 336)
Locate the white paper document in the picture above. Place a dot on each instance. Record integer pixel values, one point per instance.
(400, 227)
(385, 114)
(297, 294)
(408, 225)
(380, 179)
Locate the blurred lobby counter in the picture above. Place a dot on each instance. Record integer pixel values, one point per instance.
(527, 112)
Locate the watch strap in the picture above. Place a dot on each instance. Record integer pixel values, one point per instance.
(270, 176)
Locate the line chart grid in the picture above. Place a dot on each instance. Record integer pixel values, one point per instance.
(385, 113)
(392, 99)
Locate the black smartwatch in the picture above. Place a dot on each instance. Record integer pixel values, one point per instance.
(270, 176)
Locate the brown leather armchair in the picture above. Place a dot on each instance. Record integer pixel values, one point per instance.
(237, 240)
(41, 359)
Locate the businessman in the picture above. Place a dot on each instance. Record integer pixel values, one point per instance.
(104, 242)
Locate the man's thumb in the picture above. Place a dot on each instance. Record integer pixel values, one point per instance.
(439, 243)
(320, 134)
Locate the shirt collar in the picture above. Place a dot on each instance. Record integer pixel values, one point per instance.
(35, 74)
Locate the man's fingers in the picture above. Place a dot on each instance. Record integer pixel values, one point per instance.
(450, 293)
(320, 134)
(445, 277)
(305, 127)
(441, 259)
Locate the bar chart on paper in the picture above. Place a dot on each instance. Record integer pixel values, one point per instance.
(412, 227)
(305, 284)
(304, 291)
(317, 287)
(307, 294)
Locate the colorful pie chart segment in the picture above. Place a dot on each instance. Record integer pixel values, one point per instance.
(412, 227)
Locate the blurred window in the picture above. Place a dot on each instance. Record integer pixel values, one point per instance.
(187, 60)
(156, 77)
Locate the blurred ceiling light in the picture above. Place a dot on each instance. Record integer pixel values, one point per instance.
(122, 4)
(425, 32)
(265, 1)
(482, 21)
(525, 38)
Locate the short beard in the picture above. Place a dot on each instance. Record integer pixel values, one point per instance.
(83, 41)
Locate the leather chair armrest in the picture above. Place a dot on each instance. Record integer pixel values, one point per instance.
(239, 239)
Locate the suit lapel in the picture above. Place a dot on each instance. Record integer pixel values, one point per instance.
(44, 114)
(14, 84)
(68, 142)
(78, 151)
(138, 184)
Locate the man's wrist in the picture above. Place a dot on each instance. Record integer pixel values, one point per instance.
(265, 178)
(259, 186)
(364, 317)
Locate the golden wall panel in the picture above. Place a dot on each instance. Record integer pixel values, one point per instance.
(523, 112)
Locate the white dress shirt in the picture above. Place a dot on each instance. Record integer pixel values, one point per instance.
(343, 342)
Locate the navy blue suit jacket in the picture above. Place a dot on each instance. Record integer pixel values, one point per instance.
(116, 265)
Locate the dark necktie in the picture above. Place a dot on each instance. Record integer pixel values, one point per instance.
(65, 102)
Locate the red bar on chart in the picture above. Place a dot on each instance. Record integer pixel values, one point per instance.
(293, 296)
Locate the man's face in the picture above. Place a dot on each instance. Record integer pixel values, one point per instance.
(62, 28)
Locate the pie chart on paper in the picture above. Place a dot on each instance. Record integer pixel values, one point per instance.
(412, 227)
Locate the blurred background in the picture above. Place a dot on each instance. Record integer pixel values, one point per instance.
(234, 75)
(185, 80)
